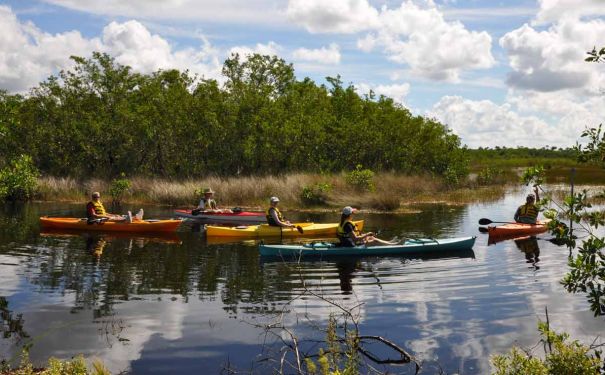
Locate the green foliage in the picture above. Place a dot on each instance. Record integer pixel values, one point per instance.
(594, 150)
(518, 363)
(18, 181)
(118, 188)
(489, 176)
(77, 366)
(562, 357)
(596, 56)
(361, 179)
(101, 118)
(521, 156)
(533, 175)
(331, 361)
(315, 194)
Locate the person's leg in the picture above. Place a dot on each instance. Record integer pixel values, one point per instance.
(377, 241)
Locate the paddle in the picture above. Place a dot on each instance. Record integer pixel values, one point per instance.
(485, 221)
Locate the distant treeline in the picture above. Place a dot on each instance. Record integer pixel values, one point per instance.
(523, 153)
(102, 119)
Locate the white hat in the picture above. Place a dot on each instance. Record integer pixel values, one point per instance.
(274, 199)
(348, 210)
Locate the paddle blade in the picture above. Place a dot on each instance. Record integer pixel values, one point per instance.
(483, 230)
(485, 221)
(299, 229)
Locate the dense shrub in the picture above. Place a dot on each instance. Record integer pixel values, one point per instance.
(118, 188)
(315, 194)
(361, 179)
(18, 181)
(489, 176)
(171, 124)
(562, 357)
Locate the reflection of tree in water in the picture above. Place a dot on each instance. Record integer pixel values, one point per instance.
(529, 246)
(119, 269)
(432, 220)
(12, 326)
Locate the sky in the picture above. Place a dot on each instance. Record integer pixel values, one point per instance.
(498, 73)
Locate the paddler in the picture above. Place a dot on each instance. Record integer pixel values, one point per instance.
(349, 236)
(528, 213)
(274, 217)
(208, 204)
(96, 211)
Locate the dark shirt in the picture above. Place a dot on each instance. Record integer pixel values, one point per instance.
(346, 240)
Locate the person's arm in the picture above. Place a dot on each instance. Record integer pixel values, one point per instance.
(537, 194)
(353, 234)
(517, 213)
(279, 222)
(90, 211)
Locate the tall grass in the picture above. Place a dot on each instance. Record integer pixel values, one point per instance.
(390, 192)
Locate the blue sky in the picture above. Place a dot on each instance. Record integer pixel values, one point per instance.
(507, 73)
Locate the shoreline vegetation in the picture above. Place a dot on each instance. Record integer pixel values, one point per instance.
(386, 192)
(389, 192)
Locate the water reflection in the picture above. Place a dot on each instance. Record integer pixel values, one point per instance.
(165, 298)
(529, 246)
(12, 324)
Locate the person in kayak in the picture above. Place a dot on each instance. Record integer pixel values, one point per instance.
(528, 213)
(96, 211)
(208, 204)
(349, 236)
(274, 217)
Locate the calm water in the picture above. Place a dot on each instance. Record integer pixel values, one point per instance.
(183, 305)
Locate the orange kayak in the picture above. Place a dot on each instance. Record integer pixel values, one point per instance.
(110, 226)
(517, 229)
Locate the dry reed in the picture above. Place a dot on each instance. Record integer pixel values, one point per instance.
(391, 190)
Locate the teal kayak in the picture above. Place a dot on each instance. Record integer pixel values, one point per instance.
(319, 249)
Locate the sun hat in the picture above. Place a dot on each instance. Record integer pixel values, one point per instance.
(274, 199)
(348, 210)
(96, 194)
(208, 191)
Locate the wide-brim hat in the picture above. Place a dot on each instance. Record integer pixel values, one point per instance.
(208, 191)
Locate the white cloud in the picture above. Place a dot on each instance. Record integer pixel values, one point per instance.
(413, 35)
(28, 55)
(132, 44)
(270, 49)
(398, 92)
(484, 123)
(228, 11)
(554, 10)
(335, 16)
(323, 55)
(553, 59)
(432, 47)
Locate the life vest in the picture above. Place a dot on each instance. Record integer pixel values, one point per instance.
(270, 219)
(98, 206)
(207, 204)
(528, 213)
(340, 231)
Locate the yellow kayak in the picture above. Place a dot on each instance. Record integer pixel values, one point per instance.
(265, 230)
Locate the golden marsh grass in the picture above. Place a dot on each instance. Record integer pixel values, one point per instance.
(391, 192)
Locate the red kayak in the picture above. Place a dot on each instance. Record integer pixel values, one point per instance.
(517, 230)
(246, 217)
